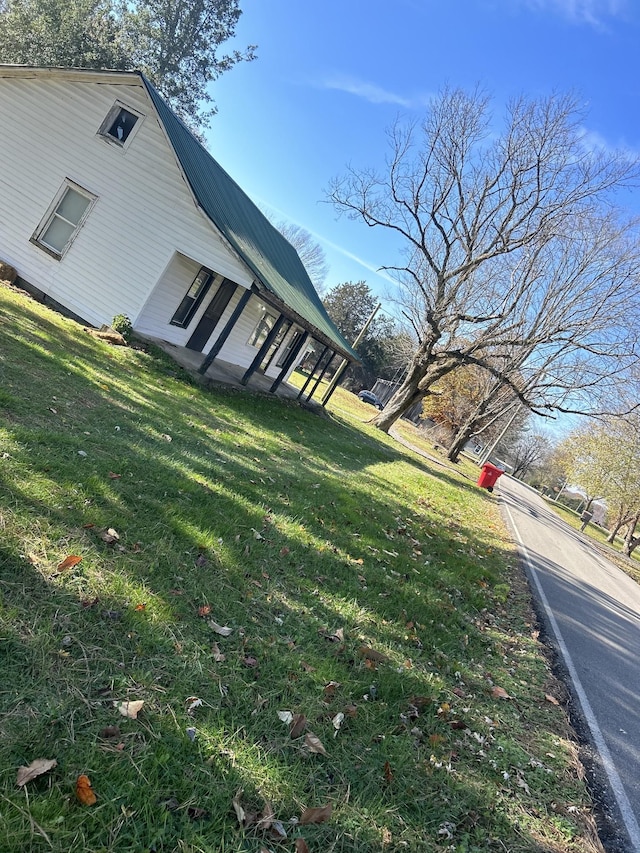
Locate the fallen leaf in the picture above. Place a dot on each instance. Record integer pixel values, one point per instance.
(388, 773)
(84, 791)
(257, 534)
(330, 689)
(36, 768)
(141, 607)
(314, 744)
(337, 721)
(217, 654)
(266, 820)
(285, 716)
(297, 725)
(110, 536)
(238, 809)
(192, 703)
(351, 710)
(194, 812)
(109, 731)
(205, 610)
(551, 699)
(219, 629)
(284, 551)
(130, 709)
(250, 661)
(277, 830)
(201, 561)
(301, 846)
(307, 666)
(500, 693)
(68, 562)
(372, 654)
(113, 476)
(319, 815)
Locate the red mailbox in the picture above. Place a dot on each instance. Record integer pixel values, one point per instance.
(489, 476)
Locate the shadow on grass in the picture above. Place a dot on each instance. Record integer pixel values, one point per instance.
(236, 505)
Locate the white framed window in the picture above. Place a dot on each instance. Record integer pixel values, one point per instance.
(262, 329)
(120, 125)
(63, 219)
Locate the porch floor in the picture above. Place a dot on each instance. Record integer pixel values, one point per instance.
(223, 372)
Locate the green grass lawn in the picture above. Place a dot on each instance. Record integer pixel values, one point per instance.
(330, 636)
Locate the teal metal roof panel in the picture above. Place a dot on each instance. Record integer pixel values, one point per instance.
(269, 255)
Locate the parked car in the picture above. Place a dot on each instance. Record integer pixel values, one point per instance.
(373, 399)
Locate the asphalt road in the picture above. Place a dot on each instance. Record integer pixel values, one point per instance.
(591, 611)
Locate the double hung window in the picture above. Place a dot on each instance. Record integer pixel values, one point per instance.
(64, 219)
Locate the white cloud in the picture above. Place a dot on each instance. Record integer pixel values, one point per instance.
(371, 92)
(592, 12)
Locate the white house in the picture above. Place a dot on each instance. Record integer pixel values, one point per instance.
(111, 206)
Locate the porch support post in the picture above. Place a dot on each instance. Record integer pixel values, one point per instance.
(257, 361)
(312, 374)
(289, 361)
(319, 379)
(224, 334)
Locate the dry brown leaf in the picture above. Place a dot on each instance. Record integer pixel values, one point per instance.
(109, 731)
(205, 610)
(297, 725)
(372, 654)
(113, 476)
(36, 768)
(69, 562)
(330, 689)
(219, 629)
(84, 791)
(314, 744)
(319, 815)
(301, 846)
(217, 654)
(110, 536)
(388, 773)
(130, 709)
(551, 699)
(140, 607)
(284, 551)
(267, 817)
(500, 693)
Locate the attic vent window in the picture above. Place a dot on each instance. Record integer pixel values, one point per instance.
(119, 125)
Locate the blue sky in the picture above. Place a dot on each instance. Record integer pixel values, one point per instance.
(330, 77)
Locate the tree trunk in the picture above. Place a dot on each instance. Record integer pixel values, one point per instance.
(617, 524)
(462, 437)
(630, 541)
(415, 386)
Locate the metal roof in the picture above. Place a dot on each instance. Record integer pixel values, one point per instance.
(272, 259)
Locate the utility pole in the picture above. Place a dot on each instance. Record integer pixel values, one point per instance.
(502, 434)
(338, 374)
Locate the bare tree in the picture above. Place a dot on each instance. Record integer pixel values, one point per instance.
(310, 251)
(527, 451)
(476, 214)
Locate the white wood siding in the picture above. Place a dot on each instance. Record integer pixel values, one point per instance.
(143, 215)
